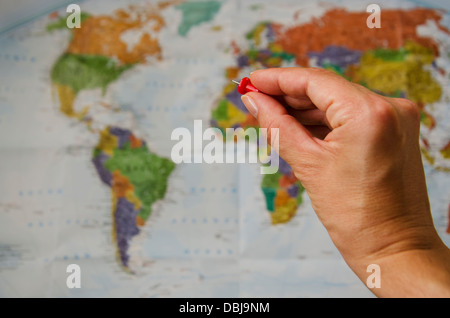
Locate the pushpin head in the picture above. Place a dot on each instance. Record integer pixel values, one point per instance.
(246, 86)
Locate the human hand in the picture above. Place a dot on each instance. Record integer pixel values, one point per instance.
(357, 155)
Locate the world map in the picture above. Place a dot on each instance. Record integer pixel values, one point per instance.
(87, 115)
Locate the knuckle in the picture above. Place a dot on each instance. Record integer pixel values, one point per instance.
(322, 71)
(411, 108)
(272, 127)
(384, 127)
(271, 123)
(383, 112)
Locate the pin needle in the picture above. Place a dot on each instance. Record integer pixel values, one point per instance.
(245, 86)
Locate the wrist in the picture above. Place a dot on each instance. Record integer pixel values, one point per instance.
(361, 240)
(408, 271)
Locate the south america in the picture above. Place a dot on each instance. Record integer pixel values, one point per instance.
(137, 178)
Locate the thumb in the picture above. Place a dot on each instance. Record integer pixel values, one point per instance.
(294, 140)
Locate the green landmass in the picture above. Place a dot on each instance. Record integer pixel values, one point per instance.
(86, 71)
(269, 195)
(301, 189)
(221, 112)
(391, 55)
(147, 172)
(195, 13)
(271, 180)
(61, 23)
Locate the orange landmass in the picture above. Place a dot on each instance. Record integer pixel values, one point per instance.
(53, 15)
(101, 35)
(121, 185)
(140, 221)
(342, 28)
(281, 198)
(236, 49)
(287, 180)
(135, 142)
(232, 72)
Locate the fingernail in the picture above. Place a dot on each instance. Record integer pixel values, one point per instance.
(250, 105)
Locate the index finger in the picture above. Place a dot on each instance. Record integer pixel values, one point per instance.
(328, 91)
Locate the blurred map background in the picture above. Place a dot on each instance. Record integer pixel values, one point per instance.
(86, 117)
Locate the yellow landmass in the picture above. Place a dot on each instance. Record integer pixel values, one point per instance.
(229, 87)
(108, 142)
(282, 197)
(257, 33)
(409, 76)
(66, 99)
(445, 152)
(235, 116)
(131, 197)
(114, 227)
(123, 188)
(284, 213)
(427, 156)
(232, 72)
(427, 119)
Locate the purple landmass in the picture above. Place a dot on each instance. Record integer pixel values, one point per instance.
(264, 53)
(213, 123)
(285, 168)
(124, 214)
(293, 190)
(270, 32)
(123, 135)
(242, 61)
(235, 98)
(337, 55)
(99, 163)
(126, 228)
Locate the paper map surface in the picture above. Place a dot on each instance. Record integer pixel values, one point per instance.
(86, 117)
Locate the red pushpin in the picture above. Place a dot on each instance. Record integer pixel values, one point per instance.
(245, 86)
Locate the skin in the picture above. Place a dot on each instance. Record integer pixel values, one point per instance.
(357, 155)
